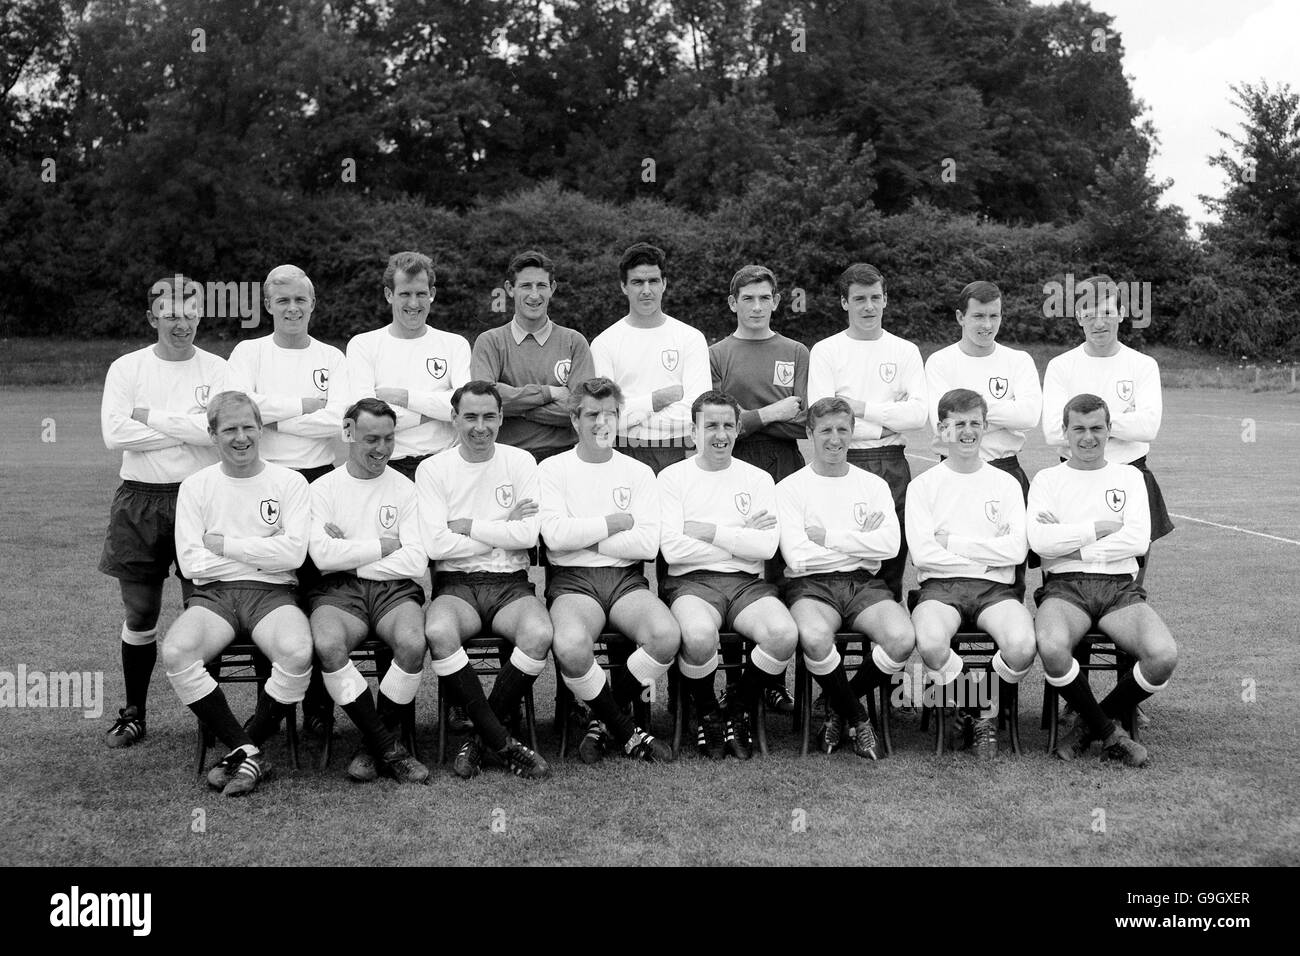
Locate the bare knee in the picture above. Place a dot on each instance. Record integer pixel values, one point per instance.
(661, 638)
(816, 642)
(572, 648)
(408, 649)
(443, 641)
(330, 646)
(181, 648)
(1159, 665)
(933, 642)
(1018, 650)
(534, 638)
(291, 649)
(1054, 649)
(698, 644)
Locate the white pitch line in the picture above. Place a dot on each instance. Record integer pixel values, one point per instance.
(1229, 418)
(1230, 527)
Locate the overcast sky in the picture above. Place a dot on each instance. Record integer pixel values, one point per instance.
(1181, 56)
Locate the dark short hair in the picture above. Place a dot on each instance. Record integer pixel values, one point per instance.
(1084, 404)
(640, 254)
(748, 275)
(371, 406)
(981, 291)
(860, 273)
(959, 400)
(1104, 289)
(407, 263)
(530, 259)
(834, 405)
(714, 397)
(476, 387)
(223, 400)
(599, 388)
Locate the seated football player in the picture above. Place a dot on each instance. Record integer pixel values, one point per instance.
(719, 526)
(599, 513)
(838, 526)
(241, 533)
(365, 542)
(1090, 520)
(966, 524)
(478, 518)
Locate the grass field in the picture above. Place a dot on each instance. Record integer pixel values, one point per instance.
(1220, 788)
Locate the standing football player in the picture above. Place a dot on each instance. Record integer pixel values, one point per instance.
(411, 365)
(153, 411)
(882, 378)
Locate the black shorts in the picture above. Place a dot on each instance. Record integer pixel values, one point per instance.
(1094, 594)
(242, 604)
(658, 457)
(848, 592)
(486, 592)
(368, 601)
(971, 597)
(605, 586)
(779, 457)
(727, 593)
(406, 466)
(1161, 523)
(541, 454)
(140, 544)
(889, 463)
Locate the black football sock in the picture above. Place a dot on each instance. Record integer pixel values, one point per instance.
(214, 711)
(841, 697)
(266, 718)
(702, 697)
(137, 669)
(317, 701)
(606, 708)
(390, 713)
(466, 690)
(378, 737)
(625, 686)
(1128, 693)
(868, 677)
(509, 690)
(1079, 696)
(753, 680)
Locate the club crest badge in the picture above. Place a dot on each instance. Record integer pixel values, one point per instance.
(1115, 498)
(743, 502)
(991, 509)
(506, 496)
(622, 498)
(562, 369)
(387, 516)
(201, 394)
(269, 509)
(321, 379)
(887, 371)
(860, 513)
(783, 374)
(998, 387)
(670, 358)
(437, 367)
(1124, 389)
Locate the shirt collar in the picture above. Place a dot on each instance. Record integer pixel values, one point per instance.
(518, 334)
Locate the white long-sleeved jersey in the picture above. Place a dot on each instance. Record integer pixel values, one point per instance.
(1129, 383)
(366, 510)
(841, 505)
(1008, 381)
(278, 379)
(577, 495)
(449, 487)
(725, 499)
(430, 368)
(875, 373)
(644, 360)
(970, 507)
(265, 521)
(175, 443)
(1078, 498)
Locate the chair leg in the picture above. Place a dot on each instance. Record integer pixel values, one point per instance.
(884, 720)
(1053, 714)
(677, 704)
(1012, 715)
(291, 735)
(803, 687)
(201, 748)
(444, 713)
(563, 701)
(327, 742)
(530, 715)
(760, 725)
(408, 732)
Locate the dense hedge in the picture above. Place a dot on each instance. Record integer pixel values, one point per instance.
(63, 278)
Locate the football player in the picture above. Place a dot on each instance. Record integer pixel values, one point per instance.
(1089, 519)
(153, 411)
(241, 533)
